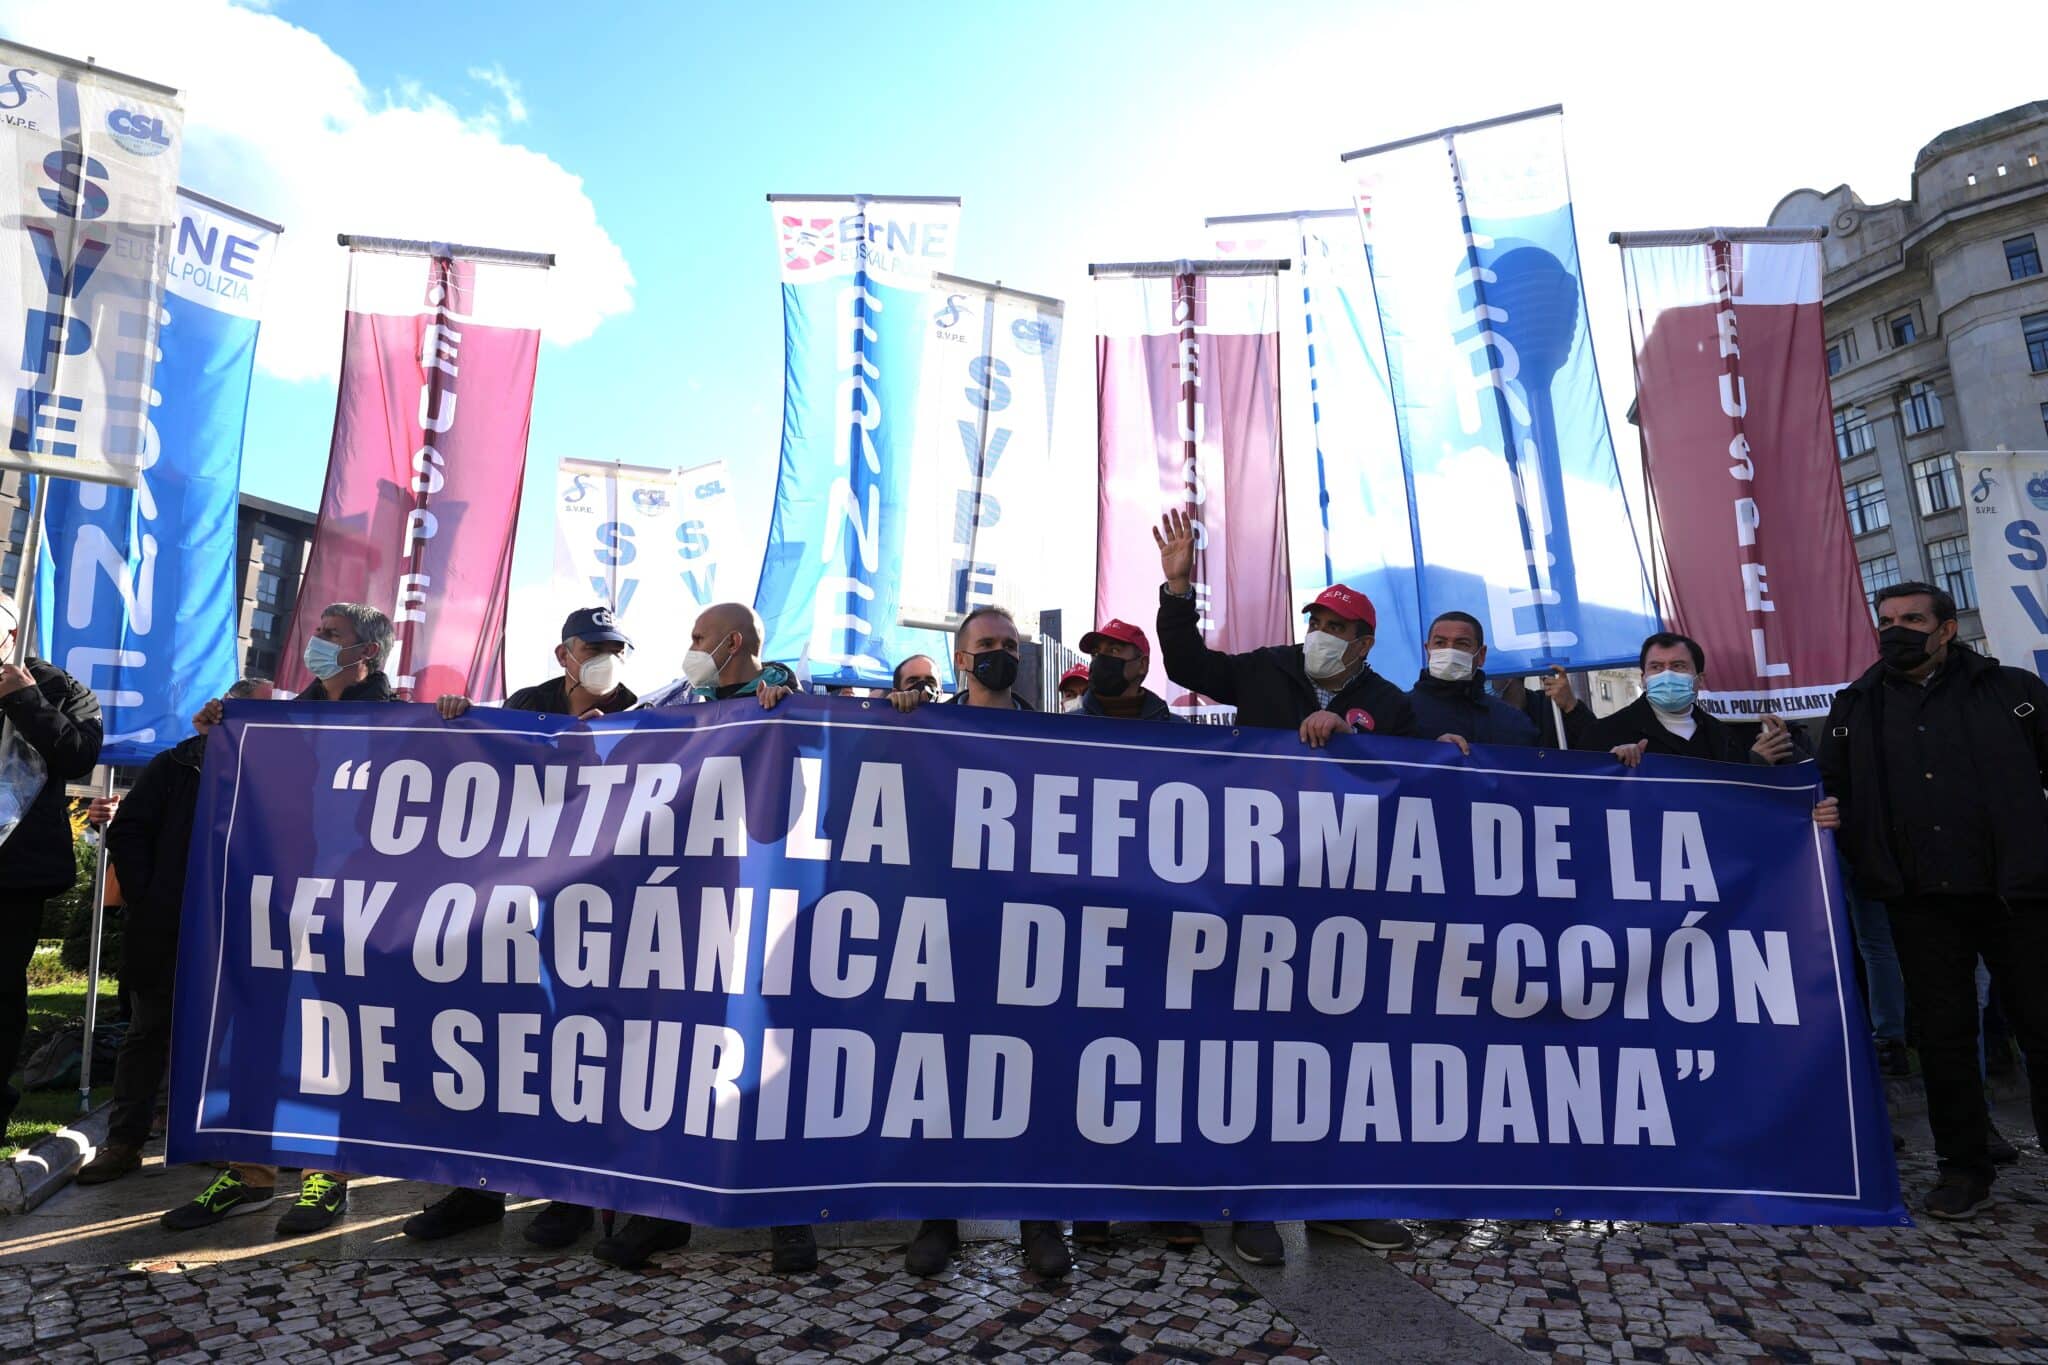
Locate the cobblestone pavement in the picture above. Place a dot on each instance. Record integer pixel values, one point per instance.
(1130, 1302)
(1974, 1291)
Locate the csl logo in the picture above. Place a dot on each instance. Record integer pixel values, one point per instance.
(710, 490)
(808, 243)
(650, 500)
(1033, 336)
(2037, 491)
(579, 489)
(142, 134)
(15, 92)
(1981, 489)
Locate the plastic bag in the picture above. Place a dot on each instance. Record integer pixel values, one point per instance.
(22, 775)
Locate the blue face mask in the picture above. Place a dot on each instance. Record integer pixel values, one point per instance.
(323, 658)
(1672, 693)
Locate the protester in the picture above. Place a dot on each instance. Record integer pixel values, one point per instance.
(1938, 756)
(1451, 698)
(591, 652)
(345, 654)
(920, 671)
(1073, 686)
(147, 840)
(58, 718)
(1666, 720)
(1113, 680)
(1320, 688)
(723, 662)
(986, 653)
(1546, 703)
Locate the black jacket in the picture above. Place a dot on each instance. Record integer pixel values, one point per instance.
(1711, 738)
(1151, 706)
(375, 687)
(552, 697)
(1981, 815)
(1543, 712)
(149, 838)
(1466, 708)
(60, 719)
(1269, 687)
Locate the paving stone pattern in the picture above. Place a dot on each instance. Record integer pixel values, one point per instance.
(1974, 1291)
(1129, 1302)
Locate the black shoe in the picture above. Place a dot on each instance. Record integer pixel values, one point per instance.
(1091, 1234)
(227, 1197)
(1258, 1243)
(795, 1250)
(1178, 1234)
(559, 1225)
(459, 1210)
(1956, 1196)
(1892, 1057)
(1045, 1251)
(322, 1200)
(640, 1240)
(1999, 1147)
(936, 1241)
(113, 1161)
(1380, 1234)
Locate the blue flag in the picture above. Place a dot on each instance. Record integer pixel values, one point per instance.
(831, 962)
(141, 588)
(1518, 512)
(855, 273)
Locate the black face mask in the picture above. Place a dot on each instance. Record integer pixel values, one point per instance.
(1108, 677)
(995, 669)
(1903, 648)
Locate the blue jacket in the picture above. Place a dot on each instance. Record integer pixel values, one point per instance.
(1468, 709)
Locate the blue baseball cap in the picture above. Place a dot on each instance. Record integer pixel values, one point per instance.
(596, 624)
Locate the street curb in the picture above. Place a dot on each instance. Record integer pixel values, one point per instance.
(32, 1176)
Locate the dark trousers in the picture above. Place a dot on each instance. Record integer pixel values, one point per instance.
(1940, 939)
(21, 923)
(146, 1048)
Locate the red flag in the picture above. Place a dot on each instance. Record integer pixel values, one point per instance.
(429, 451)
(1188, 387)
(1732, 385)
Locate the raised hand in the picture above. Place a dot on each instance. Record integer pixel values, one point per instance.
(1175, 537)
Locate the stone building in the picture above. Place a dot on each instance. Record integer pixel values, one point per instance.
(1937, 313)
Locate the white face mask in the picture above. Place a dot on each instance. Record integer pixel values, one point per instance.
(701, 668)
(1450, 665)
(1071, 705)
(599, 674)
(1322, 654)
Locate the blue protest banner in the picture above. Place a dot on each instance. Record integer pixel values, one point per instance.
(142, 595)
(831, 962)
(1519, 516)
(855, 271)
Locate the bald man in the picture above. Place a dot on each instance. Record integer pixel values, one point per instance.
(724, 662)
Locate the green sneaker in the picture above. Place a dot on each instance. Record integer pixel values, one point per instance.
(226, 1197)
(322, 1199)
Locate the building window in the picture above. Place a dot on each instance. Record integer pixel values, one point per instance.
(2044, 416)
(1853, 433)
(262, 622)
(273, 547)
(2035, 327)
(1950, 561)
(1881, 572)
(2022, 257)
(1834, 360)
(1937, 485)
(1901, 330)
(267, 585)
(1922, 409)
(1970, 179)
(1868, 510)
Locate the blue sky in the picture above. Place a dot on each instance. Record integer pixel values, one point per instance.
(639, 139)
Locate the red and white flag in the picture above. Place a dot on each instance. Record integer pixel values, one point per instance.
(1738, 451)
(429, 450)
(1187, 367)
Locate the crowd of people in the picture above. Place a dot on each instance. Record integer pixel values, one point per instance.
(1934, 763)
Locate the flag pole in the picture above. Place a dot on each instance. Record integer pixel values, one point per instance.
(92, 968)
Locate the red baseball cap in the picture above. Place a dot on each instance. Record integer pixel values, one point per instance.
(1122, 631)
(1075, 673)
(1352, 606)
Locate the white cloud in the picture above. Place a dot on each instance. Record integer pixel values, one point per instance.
(278, 123)
(494, 76)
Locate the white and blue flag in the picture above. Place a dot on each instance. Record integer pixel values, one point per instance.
(1518, 511)
(141, 589)
(856, 271)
